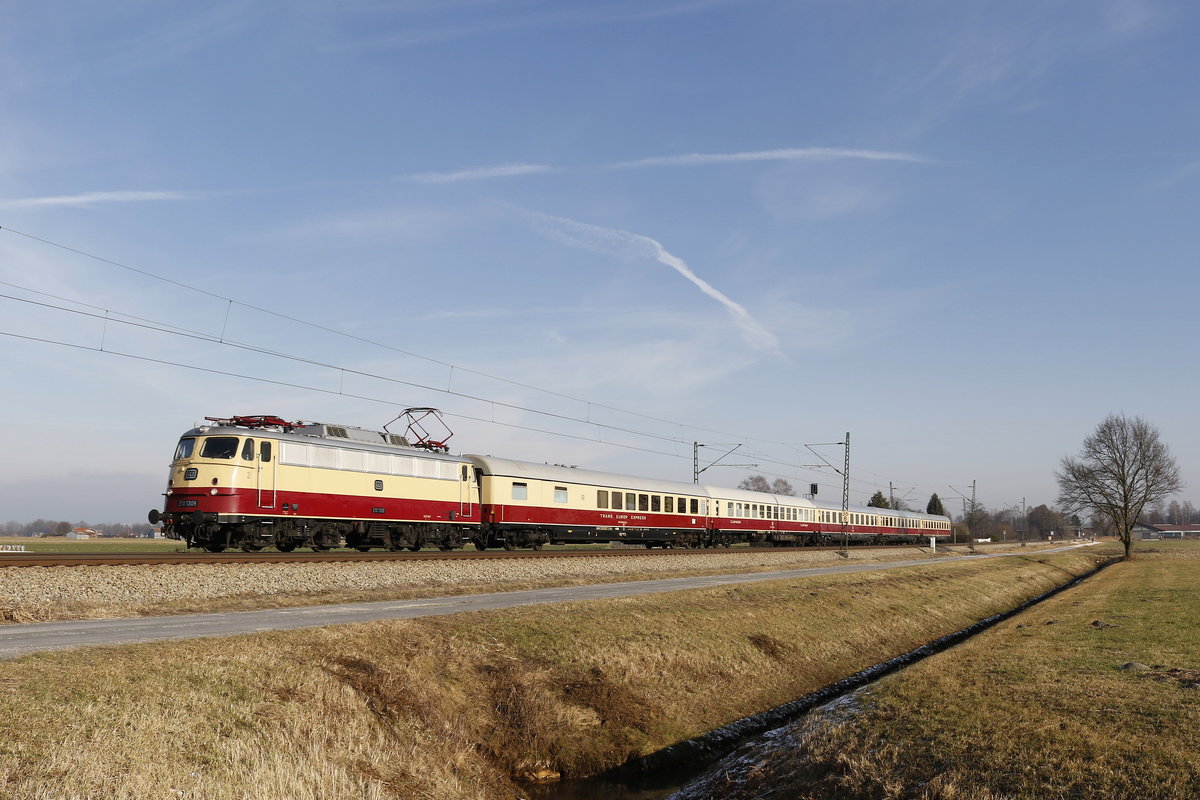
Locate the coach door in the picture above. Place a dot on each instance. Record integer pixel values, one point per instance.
(468, 492)
(267, 465)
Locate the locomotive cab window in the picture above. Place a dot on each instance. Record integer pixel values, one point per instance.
(219, 447)
(248, 450)
(185, 448)
(264, 452)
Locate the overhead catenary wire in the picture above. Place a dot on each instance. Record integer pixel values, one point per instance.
(361, 339)
(116, 317)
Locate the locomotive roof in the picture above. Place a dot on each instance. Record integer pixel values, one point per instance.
(340, 435)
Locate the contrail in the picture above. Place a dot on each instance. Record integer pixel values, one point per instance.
(631, 245)
(93, 198)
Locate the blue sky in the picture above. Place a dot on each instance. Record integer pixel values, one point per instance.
(595, 232)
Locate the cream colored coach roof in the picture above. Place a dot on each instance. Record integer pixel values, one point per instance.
(509, 468)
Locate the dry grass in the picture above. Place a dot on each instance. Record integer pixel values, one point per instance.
(453, 707)
(1039, 707)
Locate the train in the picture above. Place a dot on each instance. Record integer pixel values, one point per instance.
(252, 482)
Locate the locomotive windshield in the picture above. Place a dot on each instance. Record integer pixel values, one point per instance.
(219, 447)
(185, 448)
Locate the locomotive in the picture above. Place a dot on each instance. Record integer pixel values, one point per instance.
(252, 482)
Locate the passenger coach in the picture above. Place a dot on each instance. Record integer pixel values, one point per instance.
(529, 505)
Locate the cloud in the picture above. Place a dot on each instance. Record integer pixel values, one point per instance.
(410, 24)
(631, 245)
(96, 198)
(1185, 173)
(689, 160)
(789, 154)
(477, 173)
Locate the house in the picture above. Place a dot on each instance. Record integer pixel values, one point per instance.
(81, 533)
(1167, 530)
(1143, 531)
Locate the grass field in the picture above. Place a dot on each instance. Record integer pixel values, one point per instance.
(1094, 693)
(454, 707)
(61, 544)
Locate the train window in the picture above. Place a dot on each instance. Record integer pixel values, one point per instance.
(219, 447)
(520, 491)
(248, 450)
(185, 448)
(264, 452)
(669, 504)
(630, 501)
(655, 503)
(681, 505)
(643, 502)
(616, 497)
(464, 472)
(695, 506)
(560, 494)
(602, 498)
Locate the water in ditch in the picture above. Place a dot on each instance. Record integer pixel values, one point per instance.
(711, 765)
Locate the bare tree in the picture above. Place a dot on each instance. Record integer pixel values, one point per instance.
(782, 486)
(1123, 467)
(755, 483)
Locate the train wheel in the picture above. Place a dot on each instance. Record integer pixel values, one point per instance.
(509, 544)
(362, 548)
(414, 547)
(215, 548)
(285, 547)
(479, 545)
(320, 548)
(251, 548)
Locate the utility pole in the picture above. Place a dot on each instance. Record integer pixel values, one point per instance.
(845, 483)
(697, 469)
(846, 497)
(971, 527)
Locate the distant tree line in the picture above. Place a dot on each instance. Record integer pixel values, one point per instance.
(49, 527)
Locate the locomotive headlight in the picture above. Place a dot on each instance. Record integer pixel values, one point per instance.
(213, 492)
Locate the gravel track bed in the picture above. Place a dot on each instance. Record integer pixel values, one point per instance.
(25, 587)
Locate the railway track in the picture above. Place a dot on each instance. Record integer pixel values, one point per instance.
(143, 559)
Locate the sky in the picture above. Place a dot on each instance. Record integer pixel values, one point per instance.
(600, 233)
